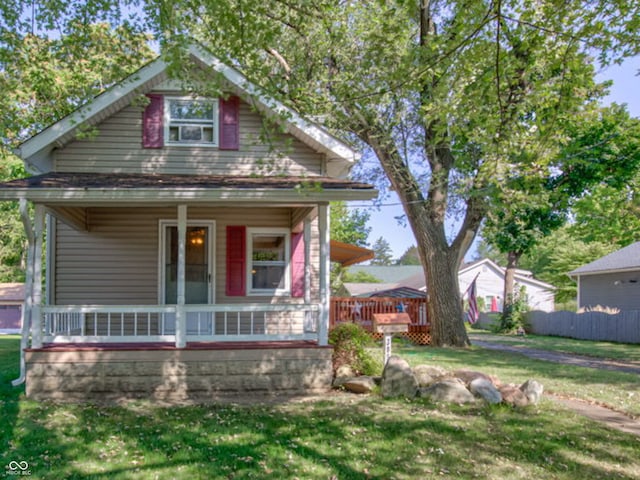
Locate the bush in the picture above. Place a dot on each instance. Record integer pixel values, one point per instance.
(514, 315)
(350, 342)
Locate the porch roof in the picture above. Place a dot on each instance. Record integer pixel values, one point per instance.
(81, 188)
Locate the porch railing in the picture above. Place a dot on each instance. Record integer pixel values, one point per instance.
(245, 322)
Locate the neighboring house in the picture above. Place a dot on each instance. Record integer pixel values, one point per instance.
(612, 281)
(176, 266)
(489, 283)
(11, 298)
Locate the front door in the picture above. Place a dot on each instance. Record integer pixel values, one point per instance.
(199, 276)
(198, 263)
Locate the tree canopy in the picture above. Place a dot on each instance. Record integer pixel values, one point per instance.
(444, 94)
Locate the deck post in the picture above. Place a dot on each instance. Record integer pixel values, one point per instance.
(323, 321)
(181, 327)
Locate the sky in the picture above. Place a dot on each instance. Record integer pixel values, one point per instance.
(625, 89)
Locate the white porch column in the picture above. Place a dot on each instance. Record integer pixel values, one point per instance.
(181, 321)
(25, 317)
(323, 226)
(36, 313)
(307, 260)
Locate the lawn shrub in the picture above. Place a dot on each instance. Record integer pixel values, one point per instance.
(350, 342)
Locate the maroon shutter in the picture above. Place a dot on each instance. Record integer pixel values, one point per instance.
(229, 123)
(153, 122)
(297, 265)
(236, 261)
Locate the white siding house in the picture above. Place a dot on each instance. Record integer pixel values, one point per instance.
(178, 241)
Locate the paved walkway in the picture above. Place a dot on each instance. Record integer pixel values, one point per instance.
(607, 416)
(569, 359)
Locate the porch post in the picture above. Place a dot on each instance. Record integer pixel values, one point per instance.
(181, 327)
(25, 317)
(36, 313)
(307, 261)
(323, 225)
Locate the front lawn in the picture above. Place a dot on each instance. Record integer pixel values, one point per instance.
(340, 437)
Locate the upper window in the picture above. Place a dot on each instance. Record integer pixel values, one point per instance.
(268, 253)
(190, 121)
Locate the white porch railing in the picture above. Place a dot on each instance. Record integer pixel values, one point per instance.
(245, 322)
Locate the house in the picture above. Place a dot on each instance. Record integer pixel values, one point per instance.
(489, 283)
(186, 258)
(11, 298)
(612, 281)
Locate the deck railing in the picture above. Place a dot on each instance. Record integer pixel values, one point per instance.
(135, 323)
(361, 310)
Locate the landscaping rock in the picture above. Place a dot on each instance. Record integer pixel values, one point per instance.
(345, 371)
(533, 390)
(513, 396)
(398, 379)
(485, 389)
(431, 370)
(362, 384)
(448, 391)
(468, 376)
(424, 375)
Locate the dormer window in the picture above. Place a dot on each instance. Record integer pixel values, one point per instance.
(191, 122)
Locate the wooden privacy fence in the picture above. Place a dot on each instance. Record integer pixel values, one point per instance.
(623, 327)
(361, 310)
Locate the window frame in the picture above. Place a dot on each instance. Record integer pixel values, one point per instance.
(215, 122)
(286, 263)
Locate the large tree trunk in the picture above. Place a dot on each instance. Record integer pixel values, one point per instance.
(509, 279)
(444, 305)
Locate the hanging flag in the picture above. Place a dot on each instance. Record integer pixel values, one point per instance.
(473, 314)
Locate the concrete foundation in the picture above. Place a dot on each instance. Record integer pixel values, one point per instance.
(174, 375)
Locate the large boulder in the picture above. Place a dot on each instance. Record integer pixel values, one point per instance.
(398, 379)
(362, 384)
(513, 396)
(468, 376)
(448, 391)
(485, 389)
(427, 374)
(533, 390)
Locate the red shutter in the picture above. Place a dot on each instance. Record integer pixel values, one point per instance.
(229, 123)
(297, 265)
(236, 261)
(153, 123)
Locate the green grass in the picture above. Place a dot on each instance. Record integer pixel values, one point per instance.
(341, 437)
(617, 390)
(609, 350)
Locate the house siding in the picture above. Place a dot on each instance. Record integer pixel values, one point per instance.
(116, 147)
(116, 261)
(615, 290)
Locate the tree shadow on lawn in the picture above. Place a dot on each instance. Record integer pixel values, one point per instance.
(371, 438)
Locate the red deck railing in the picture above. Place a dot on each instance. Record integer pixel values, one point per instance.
(361, 310)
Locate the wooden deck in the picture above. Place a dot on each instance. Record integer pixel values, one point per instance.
(361, 310)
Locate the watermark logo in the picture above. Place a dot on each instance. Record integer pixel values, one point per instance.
(18, 468)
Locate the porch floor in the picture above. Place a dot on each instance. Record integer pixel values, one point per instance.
(150, 346)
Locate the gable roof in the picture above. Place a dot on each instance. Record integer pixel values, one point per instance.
(625, 259)
(36, 151)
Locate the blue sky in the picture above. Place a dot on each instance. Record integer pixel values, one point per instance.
(625, 89)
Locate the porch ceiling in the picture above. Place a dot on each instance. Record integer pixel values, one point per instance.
(109, 188)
